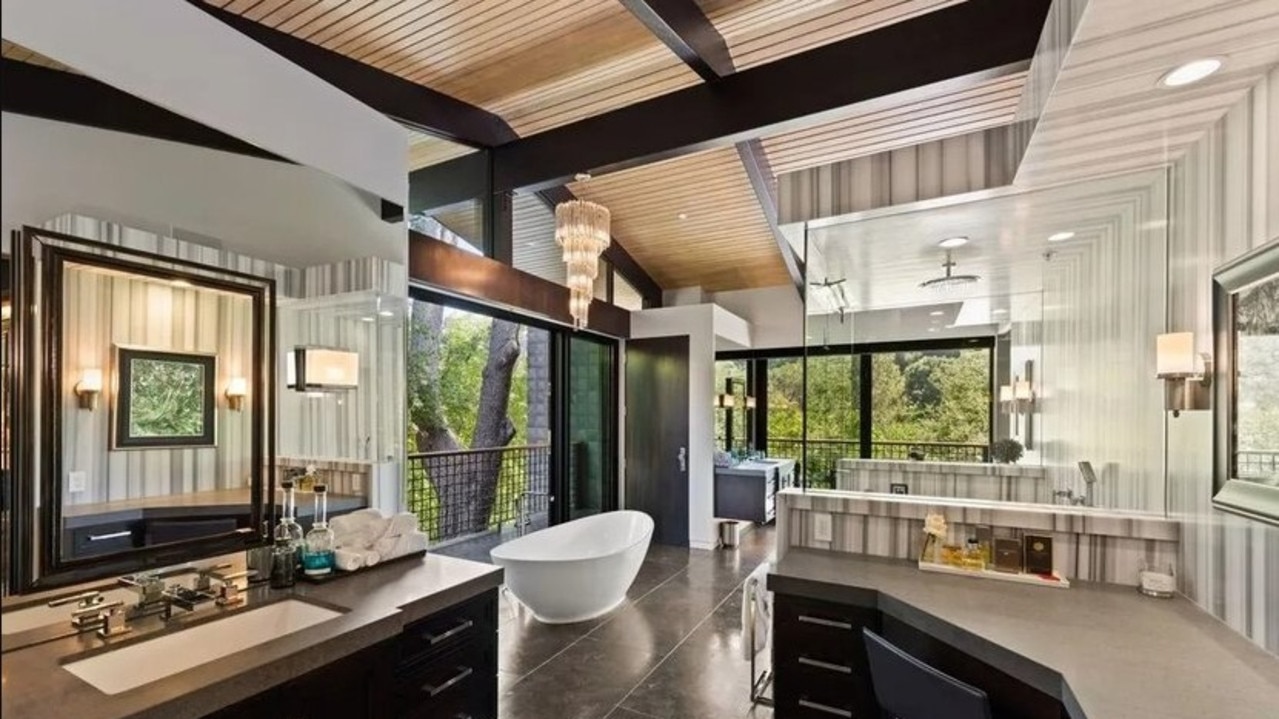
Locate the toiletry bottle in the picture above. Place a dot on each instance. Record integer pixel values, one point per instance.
(288, 528)
(283, 564)
(317, 558)
(973, 558)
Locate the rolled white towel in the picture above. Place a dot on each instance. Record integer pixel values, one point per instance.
(385, 547)
(402, 523)
(401, 545)
(354, 521)
(348, 560)
(371, 558)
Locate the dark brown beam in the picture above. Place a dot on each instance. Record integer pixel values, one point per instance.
(616, 254)
(79, 99)
(684, 28)
(443, 266)
(973, 40)
(407, 102)
(755, 163)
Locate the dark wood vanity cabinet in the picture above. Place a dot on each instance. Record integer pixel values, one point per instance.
(819, 663)
(443, 666)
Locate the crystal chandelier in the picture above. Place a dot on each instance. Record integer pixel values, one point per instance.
(582, 230)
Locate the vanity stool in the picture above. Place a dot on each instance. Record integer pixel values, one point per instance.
(907, 688)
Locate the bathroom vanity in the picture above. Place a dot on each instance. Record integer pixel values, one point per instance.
(1094, 652)
(411, 639)
(747, 490)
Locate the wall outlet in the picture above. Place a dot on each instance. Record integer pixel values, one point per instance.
(821, 527)
(77, 482)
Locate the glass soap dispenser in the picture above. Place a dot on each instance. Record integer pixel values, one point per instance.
(317, 557)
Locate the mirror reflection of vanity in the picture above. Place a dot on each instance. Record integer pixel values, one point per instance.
(143, 402)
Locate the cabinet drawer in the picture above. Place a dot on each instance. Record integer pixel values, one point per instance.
(831, 684)
(106, 538)
(822, 631)
(800, 708)
(475, 619)
(458, 685)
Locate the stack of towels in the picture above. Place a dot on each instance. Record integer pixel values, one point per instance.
(365, 538)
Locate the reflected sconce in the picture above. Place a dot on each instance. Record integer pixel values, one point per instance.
(88, 388)
(320, 369)
(1186, 383)
(750, 402)
(236, 390)
(725, 401)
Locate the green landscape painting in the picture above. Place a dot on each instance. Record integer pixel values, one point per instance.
(167, 399)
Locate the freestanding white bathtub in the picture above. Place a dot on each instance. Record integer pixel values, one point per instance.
(578, 570)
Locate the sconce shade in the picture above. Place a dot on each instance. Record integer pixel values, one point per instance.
(1022, 391)
(1005, 393)
(750, 402)
(317, 368)
(88, 388)
(725, 401)
(236, 389)
(1175, 355)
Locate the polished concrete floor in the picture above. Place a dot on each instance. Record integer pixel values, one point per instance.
(671, 651)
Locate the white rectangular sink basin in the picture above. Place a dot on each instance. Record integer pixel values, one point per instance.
(145, 662)
(21, 620)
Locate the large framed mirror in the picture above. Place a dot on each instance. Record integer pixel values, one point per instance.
(1246, 335)
(142, 410)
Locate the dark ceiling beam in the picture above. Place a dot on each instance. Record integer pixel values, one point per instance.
(407, 102)
(755, 162)
(616, 254)
(973, 40)
(684, 28)
(79, 99)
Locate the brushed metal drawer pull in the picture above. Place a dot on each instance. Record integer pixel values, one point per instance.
(823, 708)
(434, 639)
(113, 535)
(433, 690)
(826, 665)
(825, 622)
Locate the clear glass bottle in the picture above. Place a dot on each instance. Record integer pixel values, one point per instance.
(288, 529)
(283, 564)
(317, 557)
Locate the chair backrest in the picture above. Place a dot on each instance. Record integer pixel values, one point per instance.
(910, 689)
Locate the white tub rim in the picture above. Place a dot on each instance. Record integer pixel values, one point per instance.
(502, 551)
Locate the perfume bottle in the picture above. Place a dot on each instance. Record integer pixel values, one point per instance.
(317, 556)
(288, 528)
(974, 557)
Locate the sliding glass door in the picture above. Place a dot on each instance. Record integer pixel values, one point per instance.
(589, 420)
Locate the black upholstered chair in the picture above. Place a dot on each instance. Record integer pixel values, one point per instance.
(907, 688)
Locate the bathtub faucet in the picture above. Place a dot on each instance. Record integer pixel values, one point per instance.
(522, 518)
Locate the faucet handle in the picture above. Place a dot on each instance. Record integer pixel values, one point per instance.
(114, 623)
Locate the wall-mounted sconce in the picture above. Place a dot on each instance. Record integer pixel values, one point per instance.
(236, 389)
(88, 388)
(750, 402)
(1186, 383)
(725, 401)
(311, 369)
(1017, 399)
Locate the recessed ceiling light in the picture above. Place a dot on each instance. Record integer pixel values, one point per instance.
(936, 313)
(366, 319)
(1060, 236)
(531, 243)
(932, 329)
(999, 312)
(582, 176)
(683, 215)
(1191, 72)
(386, 313)
(180, 283)
(951, 243)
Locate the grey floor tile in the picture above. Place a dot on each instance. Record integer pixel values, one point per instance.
(524, 643)
(585, 681)
(624, 713)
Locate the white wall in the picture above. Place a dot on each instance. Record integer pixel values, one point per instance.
(775, 314)
(701, 324)
(275, 211)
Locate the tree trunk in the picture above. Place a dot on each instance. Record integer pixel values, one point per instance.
(493, 427)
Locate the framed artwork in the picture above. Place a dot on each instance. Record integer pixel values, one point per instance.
(164, 399)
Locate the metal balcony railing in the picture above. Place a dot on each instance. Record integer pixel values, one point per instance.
(824, 454)
(468, 492)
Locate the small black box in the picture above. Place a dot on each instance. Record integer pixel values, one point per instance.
(1038, 551)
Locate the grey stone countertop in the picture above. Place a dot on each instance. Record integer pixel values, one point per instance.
(378, 603)
(1107, 652)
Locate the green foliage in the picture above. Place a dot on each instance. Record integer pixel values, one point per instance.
(166, 398)
(1007, 450)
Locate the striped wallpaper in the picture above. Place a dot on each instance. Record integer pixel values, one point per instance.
(1225, 201)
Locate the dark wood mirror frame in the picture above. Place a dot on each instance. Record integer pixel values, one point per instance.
(35, 535)
(1231, 494)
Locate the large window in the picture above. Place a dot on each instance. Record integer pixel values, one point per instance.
(928, 401)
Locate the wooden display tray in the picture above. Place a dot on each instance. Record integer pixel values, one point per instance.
(1057, 582)
(340, 573)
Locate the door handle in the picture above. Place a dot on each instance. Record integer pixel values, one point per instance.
(683, 459)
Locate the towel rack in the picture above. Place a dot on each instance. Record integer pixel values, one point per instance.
(761, 681)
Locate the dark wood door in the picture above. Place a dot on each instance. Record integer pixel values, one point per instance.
(657, 434)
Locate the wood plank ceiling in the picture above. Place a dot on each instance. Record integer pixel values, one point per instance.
(14, 51)
(543, 63)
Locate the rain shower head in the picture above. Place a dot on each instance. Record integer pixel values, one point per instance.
(949, 279)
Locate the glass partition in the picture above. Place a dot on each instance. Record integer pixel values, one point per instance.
(1012, 330)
